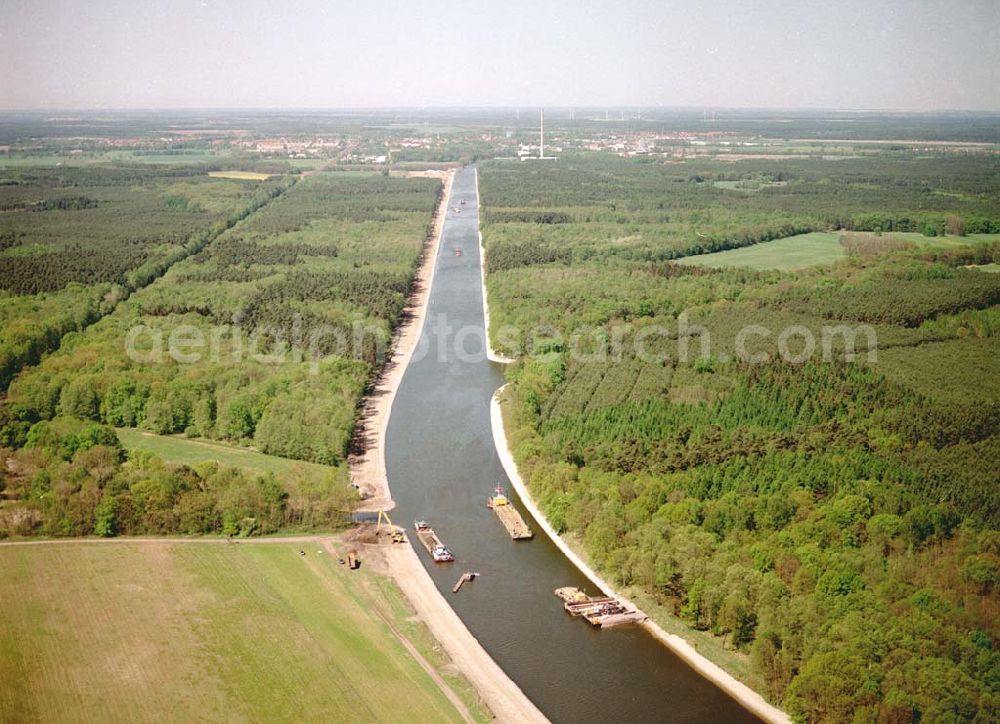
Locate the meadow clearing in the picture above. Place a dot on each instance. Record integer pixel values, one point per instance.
(793, 252)
(240, 175)
(814, 249)
(183, 451)
(206, 631)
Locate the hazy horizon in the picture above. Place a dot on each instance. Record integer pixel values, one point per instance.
(884, 55)
(530, 110)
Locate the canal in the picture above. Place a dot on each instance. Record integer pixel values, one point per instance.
(442, 465)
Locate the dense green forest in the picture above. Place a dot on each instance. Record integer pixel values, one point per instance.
(76, 480)
(836, 522)
(587, 233)
(266, 336)
(76, 241)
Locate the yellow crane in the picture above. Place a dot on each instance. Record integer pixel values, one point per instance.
(397, 534)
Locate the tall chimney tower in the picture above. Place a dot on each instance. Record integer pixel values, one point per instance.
(541, 137)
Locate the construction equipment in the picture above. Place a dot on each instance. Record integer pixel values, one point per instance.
(465, 578)
(397, 534)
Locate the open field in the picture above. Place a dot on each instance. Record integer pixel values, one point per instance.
(813, 249)
(183, 451)
(190, 156)
(12, 160)
(311, 164)
(240, 175)
(207, 632)
(794, 252)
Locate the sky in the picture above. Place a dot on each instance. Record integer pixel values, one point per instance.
(326, 54)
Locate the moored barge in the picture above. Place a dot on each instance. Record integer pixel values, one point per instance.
(599, 611)
(500, 504)
(439, 552)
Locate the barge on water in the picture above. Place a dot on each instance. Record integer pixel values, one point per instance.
(500, 504)
(599, 611)
(439, 552)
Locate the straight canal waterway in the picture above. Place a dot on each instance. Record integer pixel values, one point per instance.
(442, 465)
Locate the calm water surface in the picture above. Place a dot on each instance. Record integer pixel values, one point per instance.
(442, 464)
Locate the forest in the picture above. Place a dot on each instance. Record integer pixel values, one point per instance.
(835, 523)
(590, 245)
(78, 241)
(329, 260)
(91, 486)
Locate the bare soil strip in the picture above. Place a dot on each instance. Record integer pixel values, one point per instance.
(503, 697)
(367, 464)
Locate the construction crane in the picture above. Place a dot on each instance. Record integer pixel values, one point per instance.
(397, 534)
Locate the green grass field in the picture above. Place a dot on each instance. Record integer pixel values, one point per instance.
(196, 631)
(793, 252)
(310, 164)
(806, 250)
(183, 451)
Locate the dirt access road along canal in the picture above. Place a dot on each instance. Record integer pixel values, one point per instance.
(442, 465)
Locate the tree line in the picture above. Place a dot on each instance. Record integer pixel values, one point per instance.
(75, 480)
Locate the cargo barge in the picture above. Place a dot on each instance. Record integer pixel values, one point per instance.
(439, 552)
(500, 504)
(599, 611)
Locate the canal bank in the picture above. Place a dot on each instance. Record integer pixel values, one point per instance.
(442, 464)
(711, 671)
(368, 471)
(367, 463)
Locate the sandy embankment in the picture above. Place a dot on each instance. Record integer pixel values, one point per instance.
(368, 467)
(742, 693)
(503, 697)
(491, 353)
